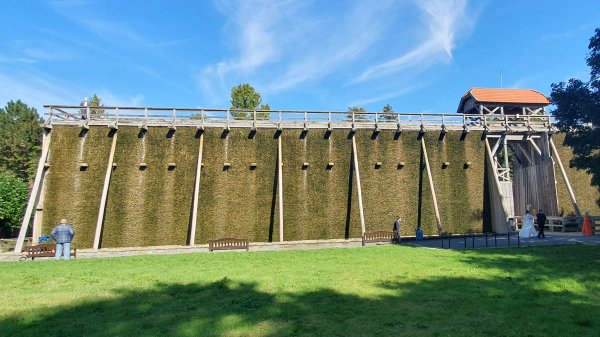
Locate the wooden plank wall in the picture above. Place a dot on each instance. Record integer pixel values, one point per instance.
(534, 183)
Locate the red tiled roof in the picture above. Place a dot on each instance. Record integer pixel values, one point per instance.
(522, 96)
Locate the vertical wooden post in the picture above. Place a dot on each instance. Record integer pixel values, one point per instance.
(109, 168)
(435, 205)
(564, 174)
(35, 191)
(505, 144)
(196, 192)
(39, 210)
(280, 186)
(358, 187)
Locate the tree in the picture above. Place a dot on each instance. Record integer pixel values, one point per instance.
(388, 109)
(358, 116)
(578, 113)
(13, 196)
(20, 139)
(95, 102)
(245, 99)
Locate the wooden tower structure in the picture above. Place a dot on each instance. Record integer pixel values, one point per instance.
(520, 164)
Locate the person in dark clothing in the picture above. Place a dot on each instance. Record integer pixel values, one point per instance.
(397, 228)
(541, 221)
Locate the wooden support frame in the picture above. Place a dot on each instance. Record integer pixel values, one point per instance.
(524, 152)
(564, 174)
(497, 145)
(109, 168)
(432, 188)
(39, 210)
(505, 145)
(35, 191)
(358, 187)
(196, 192)
(280, 186)
(535, 147)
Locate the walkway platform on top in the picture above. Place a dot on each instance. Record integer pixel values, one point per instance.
(282, 119)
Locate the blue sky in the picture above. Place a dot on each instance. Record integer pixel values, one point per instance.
(418, 56)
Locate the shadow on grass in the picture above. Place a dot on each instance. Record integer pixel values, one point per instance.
(448, 306)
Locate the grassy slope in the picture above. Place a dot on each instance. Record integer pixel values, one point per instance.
(585, 193)
(384, 291)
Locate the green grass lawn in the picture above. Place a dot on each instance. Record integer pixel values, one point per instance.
(378, 291)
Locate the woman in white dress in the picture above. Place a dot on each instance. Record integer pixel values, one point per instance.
(528, 229)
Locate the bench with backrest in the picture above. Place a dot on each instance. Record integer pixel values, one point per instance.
(379, 237)
(43, 250)
(228, 244)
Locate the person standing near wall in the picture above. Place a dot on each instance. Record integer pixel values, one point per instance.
(541, 221)
(63, 235)
(397, 228)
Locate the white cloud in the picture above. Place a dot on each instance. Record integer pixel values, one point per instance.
(111, 99)
(407, 89)
(37, 90)
(341, 43)
(444, 21)
(296, 44)
(33, 90)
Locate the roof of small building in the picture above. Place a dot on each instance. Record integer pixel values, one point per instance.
(493, 95)
(504, 97)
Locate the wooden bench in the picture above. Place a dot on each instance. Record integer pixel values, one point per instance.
(43, 250)
(379, 237)
(228, 244)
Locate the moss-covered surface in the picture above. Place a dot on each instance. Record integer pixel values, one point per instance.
(151, 206)
(391, 189)
(70, 192)
(459, 189)
(581, 182)
(318, 202)
(239, 201)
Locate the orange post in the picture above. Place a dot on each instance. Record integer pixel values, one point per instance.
(587, 225)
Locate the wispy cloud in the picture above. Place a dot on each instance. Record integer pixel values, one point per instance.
(78, 12)
(297, 44)
(111, 99)
(585, 28)
(342, 44)
(444, 21)
(407, 89)
(38, 90)
(256, 26)
(282, 46)
(10, 59)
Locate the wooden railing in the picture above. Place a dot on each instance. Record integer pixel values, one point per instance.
(173, 117)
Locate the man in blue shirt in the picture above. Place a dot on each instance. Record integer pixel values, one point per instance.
(63, 234)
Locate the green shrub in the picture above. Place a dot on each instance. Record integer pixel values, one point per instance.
(13, 199)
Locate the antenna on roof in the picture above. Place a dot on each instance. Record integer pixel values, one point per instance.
(500, 78)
